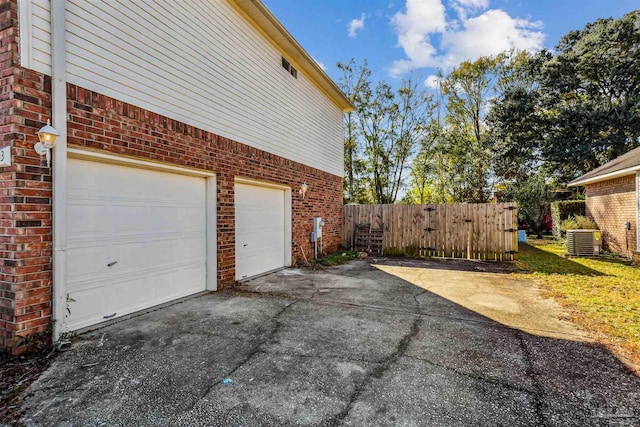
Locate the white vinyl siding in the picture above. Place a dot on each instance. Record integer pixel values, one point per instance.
(199, 62)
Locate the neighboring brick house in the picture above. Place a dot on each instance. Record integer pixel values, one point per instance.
(613, 202)
(187, 131)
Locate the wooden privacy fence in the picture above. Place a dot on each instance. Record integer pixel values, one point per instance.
(487, 231)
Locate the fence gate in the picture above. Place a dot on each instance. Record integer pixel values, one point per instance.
(486, 231)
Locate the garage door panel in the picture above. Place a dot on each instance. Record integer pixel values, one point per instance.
(128, 296)
(172, 218)
(151, 224)
(86, 220)
(260, 229)
(87, 305)
(255, 262)
(270, 221)
(132, 218)
(150, 254)
(262, 239)
(261, 205)
(86, 263)
(262, 242)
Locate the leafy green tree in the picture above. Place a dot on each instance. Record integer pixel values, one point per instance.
(353, 81)
(467, 91)
(533, 197)
(581, 108)
(594, 84)
(391, 123)
(515, 128)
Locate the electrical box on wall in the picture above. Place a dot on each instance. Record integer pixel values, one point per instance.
(318, 223)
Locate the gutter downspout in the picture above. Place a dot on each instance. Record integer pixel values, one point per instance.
(59, 120)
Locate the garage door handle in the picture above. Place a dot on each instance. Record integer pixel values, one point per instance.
(245, 245)
(110, 316)
(112, 263)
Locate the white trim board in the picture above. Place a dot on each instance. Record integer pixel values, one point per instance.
(134, 162)
(605, 177)
(250, 181)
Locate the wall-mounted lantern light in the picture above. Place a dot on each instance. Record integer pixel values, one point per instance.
(303, 189)
(47, 135)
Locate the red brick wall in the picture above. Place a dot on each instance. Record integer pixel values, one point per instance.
(101, 123)
(25, 210)
(610, 204)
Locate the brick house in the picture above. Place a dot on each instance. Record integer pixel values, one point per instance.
(613, 202)
(187, 130)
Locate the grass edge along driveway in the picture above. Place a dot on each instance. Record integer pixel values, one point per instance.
(602, 294)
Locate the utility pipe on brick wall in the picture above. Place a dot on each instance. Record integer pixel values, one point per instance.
(59, 119)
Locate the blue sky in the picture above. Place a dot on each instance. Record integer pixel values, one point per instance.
(397, 36)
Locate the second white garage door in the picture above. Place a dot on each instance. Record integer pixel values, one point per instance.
(136, 238)
(262, 233)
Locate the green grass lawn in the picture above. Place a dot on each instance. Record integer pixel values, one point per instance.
(603, 294)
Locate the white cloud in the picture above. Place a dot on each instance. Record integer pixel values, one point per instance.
(433, 81)
(422, 17)
(321, 64)
(356, 25)
(489, 34)
(464, 7)
(473, 4)
(429, 39)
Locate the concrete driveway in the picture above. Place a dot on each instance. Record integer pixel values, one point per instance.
(388, 342)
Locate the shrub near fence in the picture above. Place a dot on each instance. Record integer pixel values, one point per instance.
(485, 231)
(562, 210)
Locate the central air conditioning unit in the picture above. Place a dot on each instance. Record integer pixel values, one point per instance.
(584, 243)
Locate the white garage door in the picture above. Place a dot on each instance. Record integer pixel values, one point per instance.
(136, 238)
(260, 230)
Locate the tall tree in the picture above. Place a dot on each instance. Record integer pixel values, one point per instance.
(584, 109)
(468, 90)
(515, 128)
(392, 123)
(353, 82)
(431, 167)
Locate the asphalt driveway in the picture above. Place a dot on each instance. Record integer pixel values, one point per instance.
(390, 342)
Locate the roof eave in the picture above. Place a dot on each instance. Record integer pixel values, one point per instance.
(604, 177)
(267, 22)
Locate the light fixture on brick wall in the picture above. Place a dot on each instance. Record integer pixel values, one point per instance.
(303, 189)
(47, 135)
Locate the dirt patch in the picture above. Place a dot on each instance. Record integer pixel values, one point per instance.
(16, 374)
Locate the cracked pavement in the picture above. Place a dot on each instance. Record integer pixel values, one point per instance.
(391, 342)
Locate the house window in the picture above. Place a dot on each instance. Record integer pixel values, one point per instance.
(287, 66)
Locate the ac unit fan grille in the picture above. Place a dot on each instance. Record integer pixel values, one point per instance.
(580, 243)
